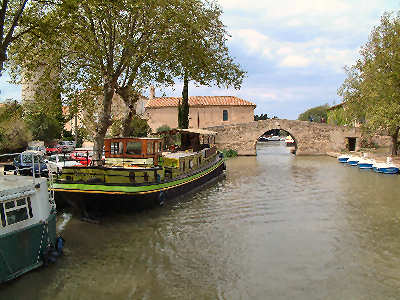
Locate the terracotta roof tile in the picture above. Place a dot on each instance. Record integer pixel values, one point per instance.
(199, 101)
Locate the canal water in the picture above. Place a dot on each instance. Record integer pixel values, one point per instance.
(276, 227)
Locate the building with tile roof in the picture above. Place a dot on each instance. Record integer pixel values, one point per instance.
(204, 111)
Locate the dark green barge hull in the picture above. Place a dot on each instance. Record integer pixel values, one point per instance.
(22, 251)
(101, 197)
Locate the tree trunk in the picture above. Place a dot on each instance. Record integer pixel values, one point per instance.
(185, 103)
(394, 141)
(103, 124)
(130, 99)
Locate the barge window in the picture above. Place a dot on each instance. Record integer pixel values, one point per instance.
(3, 217)
(17, 215)
(10, 204)
(134, 148)
(150, 148)
(117, 148)
(16, 211)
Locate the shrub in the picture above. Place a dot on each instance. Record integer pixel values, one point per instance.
(229, 153)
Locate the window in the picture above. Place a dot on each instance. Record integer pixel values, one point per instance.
(15, 211)
(224, 115)
(134, 148)
(117, 148)
(150, 148)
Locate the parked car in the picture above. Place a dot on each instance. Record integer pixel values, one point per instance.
(23, 164)
(56, 162)
(66, 146)
(53, 150)
(40, 149)
(83, 156)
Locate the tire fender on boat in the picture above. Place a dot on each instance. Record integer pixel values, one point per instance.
(161, 197)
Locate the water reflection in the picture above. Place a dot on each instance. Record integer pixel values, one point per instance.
(277, 227)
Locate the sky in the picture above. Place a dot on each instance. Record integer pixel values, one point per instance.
(294, 51)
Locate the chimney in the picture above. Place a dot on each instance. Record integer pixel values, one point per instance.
(152, 92)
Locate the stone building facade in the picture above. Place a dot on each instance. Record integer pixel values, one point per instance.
(204, 111)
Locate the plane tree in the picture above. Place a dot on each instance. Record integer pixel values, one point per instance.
(372, 86)
(100, 47)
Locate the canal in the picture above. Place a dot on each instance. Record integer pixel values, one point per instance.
(276, 227)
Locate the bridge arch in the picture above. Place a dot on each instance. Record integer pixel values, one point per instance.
(282, 133)
(311, 138)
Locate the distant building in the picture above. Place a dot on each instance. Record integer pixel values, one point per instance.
(204, 111)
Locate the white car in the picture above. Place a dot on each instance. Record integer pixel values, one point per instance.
(56, 162)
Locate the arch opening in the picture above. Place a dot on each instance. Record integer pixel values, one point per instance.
(279, 136)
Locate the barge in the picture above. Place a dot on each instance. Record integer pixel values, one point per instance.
(141, 172)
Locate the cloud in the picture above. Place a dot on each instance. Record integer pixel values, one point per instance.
(295, 61)
(318, 52)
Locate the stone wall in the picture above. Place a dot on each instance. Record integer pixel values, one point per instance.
(199, 116)
(311, 138)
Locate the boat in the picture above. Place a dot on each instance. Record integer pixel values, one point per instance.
(353, 160)
(377, 167)
(343, 158)
(289, 141)
(137, 173)
(274, 138)
(28, 225)
(386, 167)
(365, 163)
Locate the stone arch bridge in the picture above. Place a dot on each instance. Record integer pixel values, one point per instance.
(311, 138)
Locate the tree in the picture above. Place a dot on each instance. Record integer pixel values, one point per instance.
(372, 84)
(316, 114)
(261, 117)
(200, 53)
(14, 133)
(11, 15)
(111, 46)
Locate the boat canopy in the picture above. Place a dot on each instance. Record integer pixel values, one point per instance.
(147, 147)
(194, 139)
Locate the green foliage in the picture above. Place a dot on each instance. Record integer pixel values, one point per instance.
(183, 109)
(67, 135)
(229, 153)
(317, 114)
(261, 117)
(14, 133)
(163, 128)
(371, 87)
(337, 117)
(44, 117)
(138, 127)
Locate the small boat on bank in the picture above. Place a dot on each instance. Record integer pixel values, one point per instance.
(385, 168)
(137, 173)
(353, 160)
(27, 224)
(343, 158)
(365, 163)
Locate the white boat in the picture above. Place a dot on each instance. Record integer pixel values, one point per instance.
(27, 225)
(274, 138)
(343, 158)
(365, 163)
(353, 160)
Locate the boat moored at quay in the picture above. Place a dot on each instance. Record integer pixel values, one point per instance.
(137, 173)
(27, 225)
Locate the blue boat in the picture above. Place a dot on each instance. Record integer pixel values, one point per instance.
(343, 158)
(365, 163)
(353, 160)
(390, 169)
